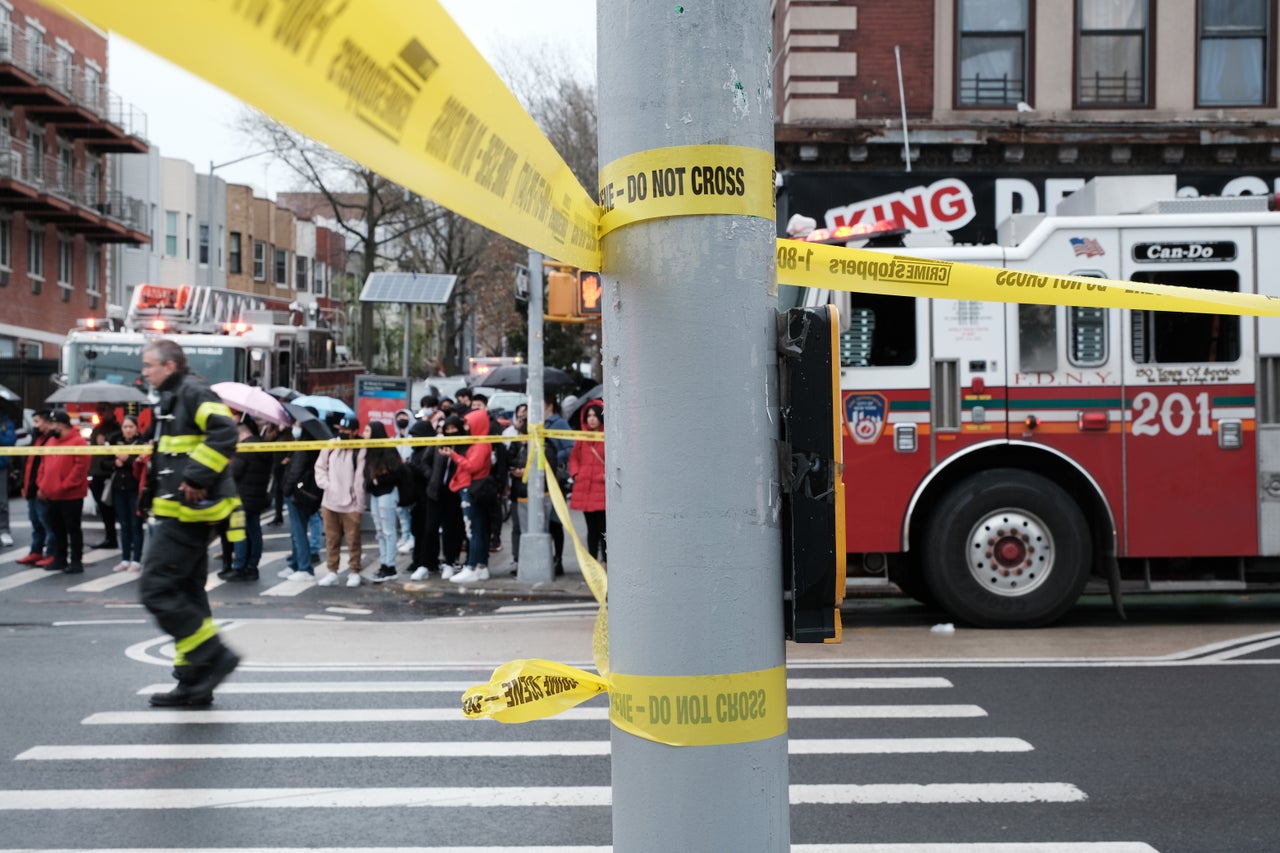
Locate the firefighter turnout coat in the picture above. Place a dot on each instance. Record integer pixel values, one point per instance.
(195, 439)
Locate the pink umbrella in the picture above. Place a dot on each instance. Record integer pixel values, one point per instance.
(255, 402)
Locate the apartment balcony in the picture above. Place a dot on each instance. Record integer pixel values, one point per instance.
(56, 91)
(44, 188)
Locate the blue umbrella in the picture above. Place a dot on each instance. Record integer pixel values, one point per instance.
(323, 405)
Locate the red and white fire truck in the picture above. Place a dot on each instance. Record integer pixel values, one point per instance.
(1000, 456)
(227, 336)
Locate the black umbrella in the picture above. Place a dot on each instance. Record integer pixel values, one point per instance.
(515, 377)
(282, 393)
(312, 427)
(97, 392)
(573, 413)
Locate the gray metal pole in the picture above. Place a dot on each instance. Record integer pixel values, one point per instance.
(534, 565)
(690, 422)
(408, 318)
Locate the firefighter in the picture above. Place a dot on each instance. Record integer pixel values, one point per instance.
(192, 495)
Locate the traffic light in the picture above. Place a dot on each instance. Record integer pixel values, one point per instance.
(561, 297)
(813, 534)
(590, 293)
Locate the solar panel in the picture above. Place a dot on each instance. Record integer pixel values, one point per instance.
(402, 287)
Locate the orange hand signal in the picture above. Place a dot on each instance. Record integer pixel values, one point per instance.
(589, 292)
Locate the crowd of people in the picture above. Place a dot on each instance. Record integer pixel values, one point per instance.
(443, 505)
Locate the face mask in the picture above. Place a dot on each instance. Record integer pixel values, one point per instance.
(402, 424)
(297, 432)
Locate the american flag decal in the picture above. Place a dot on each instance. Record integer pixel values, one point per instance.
(1086, 247)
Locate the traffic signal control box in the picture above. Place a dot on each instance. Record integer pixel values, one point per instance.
(813, 534)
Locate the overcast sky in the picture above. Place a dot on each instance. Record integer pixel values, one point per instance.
(193, 120)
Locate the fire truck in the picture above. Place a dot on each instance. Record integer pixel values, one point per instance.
(227, 336)
(1001, 457)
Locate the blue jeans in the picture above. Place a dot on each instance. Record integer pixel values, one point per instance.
(306, 538)
(383, 509)
(477, 515)
(39, 527)
(126, 505)
(406, 523)
(248, 551)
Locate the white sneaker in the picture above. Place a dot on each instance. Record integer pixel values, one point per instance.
(354, 579)
(419, 573)
(285, 573)
(135, 566)
(300, 575)
(330, 579)
(122, 566)
(405, 546)
(467, 575)
(6, 539)
(447, 571)
(482, 573)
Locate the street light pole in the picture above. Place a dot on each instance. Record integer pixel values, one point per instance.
(213, 167)
(695, 546)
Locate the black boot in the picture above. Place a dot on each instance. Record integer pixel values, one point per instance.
(181, 696)
(213, 666)
(385, 573)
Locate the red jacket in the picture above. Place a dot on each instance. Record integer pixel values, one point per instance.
(64, 478)
(29, 484)
(475, 463)
(586, 467)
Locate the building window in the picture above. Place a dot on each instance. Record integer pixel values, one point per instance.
(35, 137)
(233, 253)
(992, 52)
(93, 272)
(320, 269)
(1234, 49)
(259, 260)
(6, 246)
(171, 233)
(282, 268)
(66, 257)
(1112, 53)
(204, 244)
(188, 236)
(300, 277)
(35, 255)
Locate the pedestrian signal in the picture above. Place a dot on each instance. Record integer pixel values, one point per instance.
(813, 534)
(590, 293)
(561, 301)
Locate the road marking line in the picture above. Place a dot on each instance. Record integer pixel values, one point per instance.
(927, 847)
(74, 623)
(482, 749)
(507, 797)
(865, 683)
(106, 582)
(263, 687)
(420, 715)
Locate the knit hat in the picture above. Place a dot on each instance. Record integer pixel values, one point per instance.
(61, 417)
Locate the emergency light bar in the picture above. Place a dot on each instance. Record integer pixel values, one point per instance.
(845, 233)
(237, 328)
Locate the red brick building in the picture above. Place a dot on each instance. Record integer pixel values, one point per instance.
(59, 217)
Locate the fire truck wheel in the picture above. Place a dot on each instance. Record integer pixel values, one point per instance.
(1007, 549)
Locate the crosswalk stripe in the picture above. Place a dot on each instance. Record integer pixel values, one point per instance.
(445, 715)
(865, 683)
(927, 847)
(106, 582)
(261, 687)
(21, 578)
(483, 749)
(507, 797)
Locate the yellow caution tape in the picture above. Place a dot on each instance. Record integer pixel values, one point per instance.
(863, 271)
(692, 710)
(394, 85)
(686, 180)
(290, 446)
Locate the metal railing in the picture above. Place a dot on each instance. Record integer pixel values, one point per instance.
(991, 91)
(1099, 89)
(77, 186)
(79, 84)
